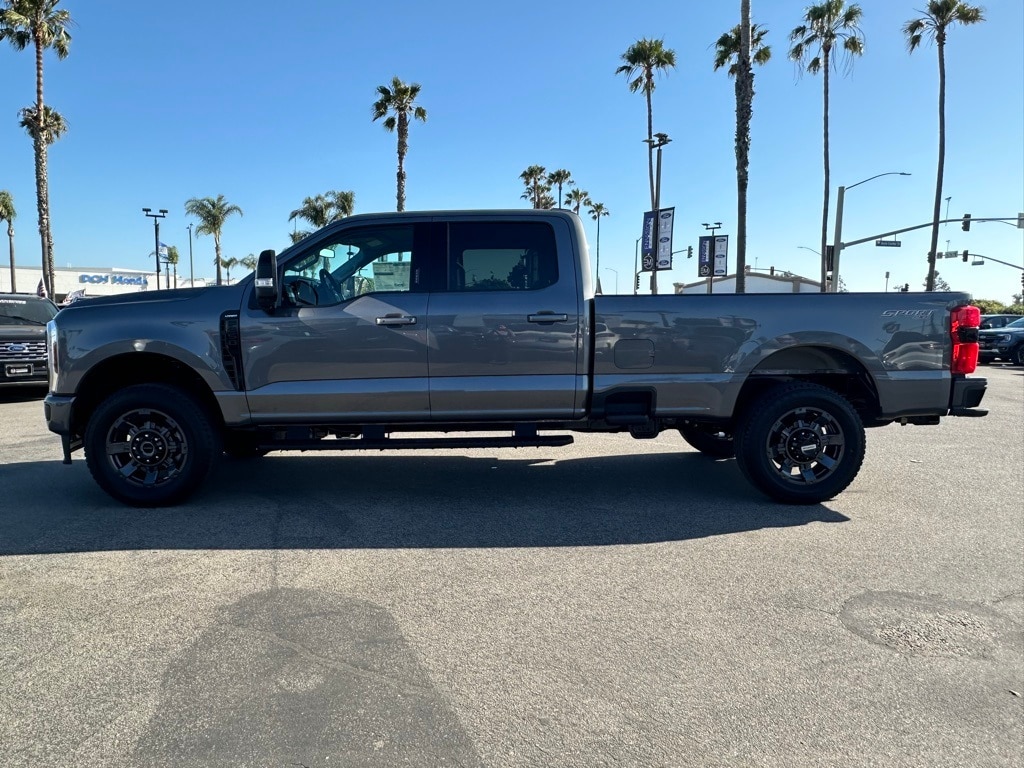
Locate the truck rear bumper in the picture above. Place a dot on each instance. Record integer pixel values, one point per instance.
(967, 395)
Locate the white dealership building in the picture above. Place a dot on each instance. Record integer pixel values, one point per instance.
(94, 281)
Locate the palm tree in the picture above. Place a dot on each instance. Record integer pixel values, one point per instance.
(249, 262)
(400, 101)
(596, 211)
(559, 178)
(321, 210)
(535, 178)
(576, 198)
(41, 24)
(172, 258)
(8, 214)
(827, 27)
(44, 132)
(228, 264)
(642, 59)
(738, 50)
(935, 23)
(211, 213)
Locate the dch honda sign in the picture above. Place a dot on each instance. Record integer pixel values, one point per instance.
(657, 255)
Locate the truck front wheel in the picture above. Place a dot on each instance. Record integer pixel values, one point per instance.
(800, 443)
(150, 445)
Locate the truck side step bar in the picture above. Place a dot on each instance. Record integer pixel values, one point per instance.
(376, 443)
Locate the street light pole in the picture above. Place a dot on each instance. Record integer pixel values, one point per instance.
(714, 228)
(636, 265)
(191, 268)
(659, 141)
(609, 269)
(156, 239)
(837, 242)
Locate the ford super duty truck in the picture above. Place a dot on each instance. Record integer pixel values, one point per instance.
(481, 329)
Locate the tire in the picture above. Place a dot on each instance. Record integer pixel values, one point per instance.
(150, 445)
(800, 443)
(1018, 355)
(709, 440)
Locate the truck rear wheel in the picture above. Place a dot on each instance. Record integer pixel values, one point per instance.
(800, 443)
(150, 445)
(708, 439)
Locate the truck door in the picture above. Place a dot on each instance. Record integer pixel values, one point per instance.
(349, 342)
(505, 330)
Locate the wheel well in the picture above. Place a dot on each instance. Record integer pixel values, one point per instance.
(827, 367)
(122, 371)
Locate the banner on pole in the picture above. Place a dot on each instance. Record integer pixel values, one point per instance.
(657, 255)
(705, 248)
(665, 219)
(721, 255)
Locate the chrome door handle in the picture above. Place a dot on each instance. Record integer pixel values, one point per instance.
(547, 317)
(396, 320)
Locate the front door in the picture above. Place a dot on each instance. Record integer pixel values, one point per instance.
(348, 343)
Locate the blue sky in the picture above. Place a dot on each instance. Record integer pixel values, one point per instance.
(268, 103)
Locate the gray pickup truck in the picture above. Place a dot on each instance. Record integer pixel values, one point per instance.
(480, 329)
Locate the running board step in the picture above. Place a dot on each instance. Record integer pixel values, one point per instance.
(400, 443)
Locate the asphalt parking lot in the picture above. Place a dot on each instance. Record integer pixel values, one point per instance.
(613, 603)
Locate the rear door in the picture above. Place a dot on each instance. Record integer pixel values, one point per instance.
(506, 328)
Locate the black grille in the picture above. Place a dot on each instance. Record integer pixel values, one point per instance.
(16, 351)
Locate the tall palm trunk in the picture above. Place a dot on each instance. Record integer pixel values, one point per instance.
(216, 251)
(42, 189)
(650, 145)
(403, 146)
(10, 239)
(940, 43)
(824, 205)
(744, 107)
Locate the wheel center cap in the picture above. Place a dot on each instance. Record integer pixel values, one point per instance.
(803, 445)
(148, 448)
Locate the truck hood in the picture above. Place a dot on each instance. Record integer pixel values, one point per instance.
(149, 297)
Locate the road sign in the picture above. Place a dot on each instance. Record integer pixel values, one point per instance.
(889, 243)
(950, 254)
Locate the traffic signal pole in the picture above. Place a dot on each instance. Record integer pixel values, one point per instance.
(918, 226)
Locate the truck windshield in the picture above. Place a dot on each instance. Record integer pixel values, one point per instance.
(23, 312)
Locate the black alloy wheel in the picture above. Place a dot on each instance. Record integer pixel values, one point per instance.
(150, 445)
(800, 443)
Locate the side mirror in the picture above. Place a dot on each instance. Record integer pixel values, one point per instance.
(266, 281)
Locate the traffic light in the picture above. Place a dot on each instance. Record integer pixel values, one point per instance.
(689, 251)
(965, 225)
(965, 255)
(638, 281)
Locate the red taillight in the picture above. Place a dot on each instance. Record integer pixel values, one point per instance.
(963, 328)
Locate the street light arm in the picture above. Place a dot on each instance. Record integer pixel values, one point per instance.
(877, 176)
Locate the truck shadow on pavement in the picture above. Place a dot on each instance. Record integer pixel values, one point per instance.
(365, 501)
